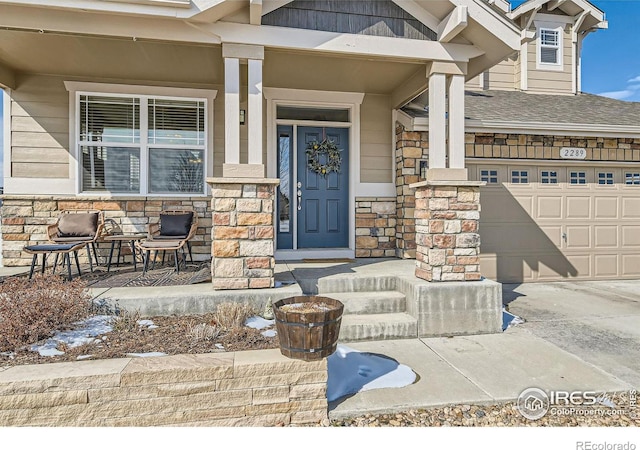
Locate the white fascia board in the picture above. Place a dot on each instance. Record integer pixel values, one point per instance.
(348, 44)
(555, 129)
(141, 8)
(90, 24)
(532, 4)
(405, 120)
(497, 23)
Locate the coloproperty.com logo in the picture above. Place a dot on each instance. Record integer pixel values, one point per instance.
(534, 403)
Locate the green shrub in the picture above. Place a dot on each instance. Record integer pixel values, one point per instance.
(31, 310)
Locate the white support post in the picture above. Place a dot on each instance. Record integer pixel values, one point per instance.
(231, 111)
(255, 111)
(437, 121)
(456, 121)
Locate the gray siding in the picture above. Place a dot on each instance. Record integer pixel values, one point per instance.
(374, 18)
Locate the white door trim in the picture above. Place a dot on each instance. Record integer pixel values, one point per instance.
(320, 99)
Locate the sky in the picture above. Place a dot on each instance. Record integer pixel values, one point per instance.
(610, 63)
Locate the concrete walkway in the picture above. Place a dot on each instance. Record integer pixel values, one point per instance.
(577, 336)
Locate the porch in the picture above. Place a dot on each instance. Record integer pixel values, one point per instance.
(383, 298)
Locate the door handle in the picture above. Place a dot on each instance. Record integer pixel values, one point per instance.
(299, 199)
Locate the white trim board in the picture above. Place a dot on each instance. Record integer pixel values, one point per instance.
(319, 99)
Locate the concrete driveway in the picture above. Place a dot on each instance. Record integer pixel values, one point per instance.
(598, 321)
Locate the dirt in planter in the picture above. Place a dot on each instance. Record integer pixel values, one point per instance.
(306, 307)
(173, 335)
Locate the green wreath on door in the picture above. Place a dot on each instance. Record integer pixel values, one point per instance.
(327, 147)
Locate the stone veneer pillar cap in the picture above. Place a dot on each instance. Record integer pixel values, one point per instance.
(447, 183)
(222, 180)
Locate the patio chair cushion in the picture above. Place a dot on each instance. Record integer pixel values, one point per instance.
(175, 224)
(78, 225)
(73, 239)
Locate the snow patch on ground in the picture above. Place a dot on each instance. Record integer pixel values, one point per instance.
(84, 333)
(352, 371)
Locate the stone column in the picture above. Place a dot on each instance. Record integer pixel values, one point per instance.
(242, 233)
(447, 240)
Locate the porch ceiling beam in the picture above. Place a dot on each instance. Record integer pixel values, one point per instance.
(272, 5)
(555, 4)
(419, 13)
(346, 44)
(219, 11)
(255, 12)
(7, 77)
(453, 24)
(492, 20)
(410, 89)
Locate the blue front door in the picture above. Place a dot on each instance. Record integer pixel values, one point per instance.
(323, 203)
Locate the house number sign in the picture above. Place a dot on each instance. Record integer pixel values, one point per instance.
(573, 153)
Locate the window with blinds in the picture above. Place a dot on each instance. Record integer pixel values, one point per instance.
(549, 47)
(119, 150)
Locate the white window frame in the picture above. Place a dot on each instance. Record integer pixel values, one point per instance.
(76, 89)
(559, 29)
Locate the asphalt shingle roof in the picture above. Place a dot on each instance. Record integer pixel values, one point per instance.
(518, 106)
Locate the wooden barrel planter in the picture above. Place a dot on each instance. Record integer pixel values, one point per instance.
(308, 326)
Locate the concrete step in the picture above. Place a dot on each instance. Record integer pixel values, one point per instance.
(356, 283)
(370, 302)
(376, 327)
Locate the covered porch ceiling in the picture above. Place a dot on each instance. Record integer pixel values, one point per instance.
(129, 61)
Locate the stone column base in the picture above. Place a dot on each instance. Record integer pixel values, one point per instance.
(242, 232)
(447, 240)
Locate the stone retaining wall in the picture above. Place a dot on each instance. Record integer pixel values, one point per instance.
(249, 388)
(25, 220)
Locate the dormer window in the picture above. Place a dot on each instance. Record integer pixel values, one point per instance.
(550, 47)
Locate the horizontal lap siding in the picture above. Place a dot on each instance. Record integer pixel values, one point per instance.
(502, 76)
(550, 80)
(375, 140)
(40, 128)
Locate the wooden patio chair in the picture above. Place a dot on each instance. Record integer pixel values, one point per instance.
(172, 233)
(85, 226)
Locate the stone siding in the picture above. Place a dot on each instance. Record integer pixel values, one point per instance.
(25, 220)
(532, 146)
(375, 227)
(411, 148)
(249, 388)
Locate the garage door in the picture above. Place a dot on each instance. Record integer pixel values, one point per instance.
(548, 223)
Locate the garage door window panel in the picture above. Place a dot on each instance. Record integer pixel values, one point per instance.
(578, 177)
(549, 177)
(520, 176)
(606, 179)
(489, 176)
(632, 178)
